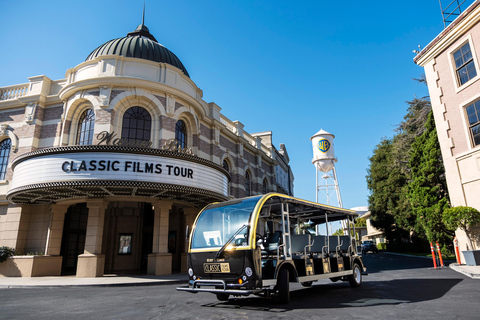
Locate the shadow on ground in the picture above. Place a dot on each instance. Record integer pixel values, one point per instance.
(334, 296)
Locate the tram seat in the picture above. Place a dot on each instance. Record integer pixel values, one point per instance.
(340, 242)
(272, 241)
(317, 247)
(300, 244)
(344, 243)
(332, 243)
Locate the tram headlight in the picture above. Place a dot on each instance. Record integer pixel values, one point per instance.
(190, 272)
(248, 271)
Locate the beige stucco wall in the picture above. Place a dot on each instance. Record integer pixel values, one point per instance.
(449, 100)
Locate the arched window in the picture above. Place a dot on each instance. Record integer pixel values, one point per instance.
(5, 147)
(225, 165)
(85, 128)
(248, 185)
(181, 133)
(265, 186)
(137, 124)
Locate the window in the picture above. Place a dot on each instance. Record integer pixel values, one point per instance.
(225, 165)
(137, 124)
(473, 115)
(464, 64)
(248, 185)
(265, 186)
(181, 134)
(5, 147)
(85, 128)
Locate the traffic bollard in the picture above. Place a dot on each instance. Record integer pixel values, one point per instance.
(457, 251)
(433, 255)
(440, 255)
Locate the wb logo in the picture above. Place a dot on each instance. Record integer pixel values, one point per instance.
(323, 145)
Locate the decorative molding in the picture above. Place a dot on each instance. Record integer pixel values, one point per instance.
(30, 112)
(104, 97)
(170, 107)
(5, 131)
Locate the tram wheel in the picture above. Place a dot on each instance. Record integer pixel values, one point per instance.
(222, 296)
(283, 285)
(355, 279)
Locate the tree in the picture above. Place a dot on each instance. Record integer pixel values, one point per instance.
(385, 181)
(361, 222)
(463, 218)
(339, 232)
(427, 190)
(412, 126)
(389, 176)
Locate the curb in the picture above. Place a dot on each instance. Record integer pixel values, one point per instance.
(124, 284)
(457, 268)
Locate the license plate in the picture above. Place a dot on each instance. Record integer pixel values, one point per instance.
(216, 267)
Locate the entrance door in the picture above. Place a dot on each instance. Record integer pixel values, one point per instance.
(73, 240)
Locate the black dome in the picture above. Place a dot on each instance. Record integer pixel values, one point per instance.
(138, 44)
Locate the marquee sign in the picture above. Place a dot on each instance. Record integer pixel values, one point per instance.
(114, 165)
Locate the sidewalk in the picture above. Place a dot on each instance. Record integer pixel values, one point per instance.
(470, 271)
(105, 281)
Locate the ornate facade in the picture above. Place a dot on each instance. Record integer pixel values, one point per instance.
(103, 171)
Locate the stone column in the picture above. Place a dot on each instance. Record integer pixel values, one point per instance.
(55, 229)
(16, 227)
(189, 217)
(92, 262)
(160, 261)
(52, 265)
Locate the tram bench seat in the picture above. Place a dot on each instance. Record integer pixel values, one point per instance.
(320, 243)
(272, 242)
(338, 242)
(300, 244)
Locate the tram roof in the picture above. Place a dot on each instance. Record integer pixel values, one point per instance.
(270, 205)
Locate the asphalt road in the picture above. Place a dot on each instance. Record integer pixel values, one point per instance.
(396, 288)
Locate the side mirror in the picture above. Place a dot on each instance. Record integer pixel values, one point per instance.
(187, 234)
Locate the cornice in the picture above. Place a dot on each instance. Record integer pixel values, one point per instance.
(468, 19)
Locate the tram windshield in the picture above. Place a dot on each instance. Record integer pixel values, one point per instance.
(220, 222)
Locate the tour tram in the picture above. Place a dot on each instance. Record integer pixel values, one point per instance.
(258, 245)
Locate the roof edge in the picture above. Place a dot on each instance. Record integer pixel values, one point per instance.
(446, 35)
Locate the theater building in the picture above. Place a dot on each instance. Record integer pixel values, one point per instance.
(103, 172)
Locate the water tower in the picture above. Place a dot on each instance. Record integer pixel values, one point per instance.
(324, 162)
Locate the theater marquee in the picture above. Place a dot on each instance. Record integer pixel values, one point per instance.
(109, 170)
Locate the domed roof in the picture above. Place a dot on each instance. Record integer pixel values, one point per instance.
(138, 44)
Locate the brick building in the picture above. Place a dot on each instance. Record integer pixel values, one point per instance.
(102, 172)
(451, 65)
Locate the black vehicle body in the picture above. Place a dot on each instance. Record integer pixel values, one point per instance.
(258, 245)
(368, 246)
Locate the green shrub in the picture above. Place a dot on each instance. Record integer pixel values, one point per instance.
(382, 246)
(6, 252)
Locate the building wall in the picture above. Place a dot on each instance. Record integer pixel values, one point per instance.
(449, 100)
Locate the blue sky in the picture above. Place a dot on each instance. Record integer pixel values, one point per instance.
(292, 67)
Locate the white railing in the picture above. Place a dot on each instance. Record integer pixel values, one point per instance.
(12, 92)
(228, 124)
